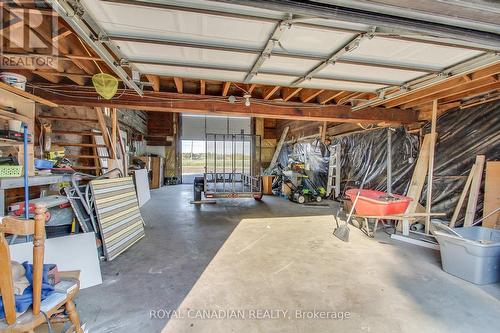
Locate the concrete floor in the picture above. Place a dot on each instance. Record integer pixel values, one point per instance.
(402, 286)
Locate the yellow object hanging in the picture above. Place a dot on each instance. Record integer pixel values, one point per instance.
(105, 85)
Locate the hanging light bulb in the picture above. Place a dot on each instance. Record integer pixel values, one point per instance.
(247, 99)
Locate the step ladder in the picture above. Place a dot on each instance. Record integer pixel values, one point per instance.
(333, 182)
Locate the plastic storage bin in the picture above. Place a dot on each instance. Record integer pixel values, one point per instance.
(475, 258)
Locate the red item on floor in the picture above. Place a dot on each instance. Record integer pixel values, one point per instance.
(378, 203)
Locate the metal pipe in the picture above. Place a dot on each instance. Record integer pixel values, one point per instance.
(26, 173)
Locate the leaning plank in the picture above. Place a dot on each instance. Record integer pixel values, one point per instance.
(492, 194)
(418, 178)
(278, 148)
(474, 191)
(462, 197)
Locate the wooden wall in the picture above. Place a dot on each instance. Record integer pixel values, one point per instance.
(160, 128)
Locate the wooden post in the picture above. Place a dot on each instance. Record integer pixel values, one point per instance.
(38, 251)
(323, 131)
(430, 171)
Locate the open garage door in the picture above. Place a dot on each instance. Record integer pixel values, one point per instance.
(194, 130)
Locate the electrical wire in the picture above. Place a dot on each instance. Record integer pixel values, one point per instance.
(162, 100)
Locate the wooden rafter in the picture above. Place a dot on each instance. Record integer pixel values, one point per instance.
(462, 88)
(78, 79)
(155, 81)
(473, 92)
(269, 91)
(178, 84)
(329, 95)
(307, 95)
(61, 36)
(251, 89)
(225, 88)
(288, 93)
(202, 87)
(49, 77)
(449, 84)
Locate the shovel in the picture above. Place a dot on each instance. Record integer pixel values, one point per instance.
(342, 232)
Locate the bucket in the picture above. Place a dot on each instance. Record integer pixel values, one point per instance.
(14, 80)
(15, 125)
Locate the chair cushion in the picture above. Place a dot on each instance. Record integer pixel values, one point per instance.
(61, 291)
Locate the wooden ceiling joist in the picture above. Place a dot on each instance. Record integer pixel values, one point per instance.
(49, 77)
(327, 96)
(225, 88)
(251, 89)
(202, 87)
(306, 95)
(473, 92)
(288, 93)
(78, 79)
(268, 92)
(155, 81)
(449, 84)
(178, 84)
(462, 88)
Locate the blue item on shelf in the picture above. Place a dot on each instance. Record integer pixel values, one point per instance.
(43, 164)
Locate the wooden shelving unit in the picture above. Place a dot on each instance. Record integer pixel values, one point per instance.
(24, 105)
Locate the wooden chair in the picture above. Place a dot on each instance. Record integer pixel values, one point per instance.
(61, 299)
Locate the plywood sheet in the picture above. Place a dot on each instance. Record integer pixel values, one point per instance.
(118, 214)
(492, 194)
(142, 186)
(74, 252)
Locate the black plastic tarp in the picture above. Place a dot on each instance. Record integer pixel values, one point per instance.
(462, 134)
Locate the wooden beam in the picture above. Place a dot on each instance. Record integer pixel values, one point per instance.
(307, 95)
(155, 81)
(287, 93)
(49, 77)
(268, 92)
(461, 95)
(225, 88)
(460, 89)
(449, 84)
(202, 87)
(172, 102)
(178, 84)
(251, 89)
(327, 96)
(78, 79)
(27, 95)
(61, 36)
